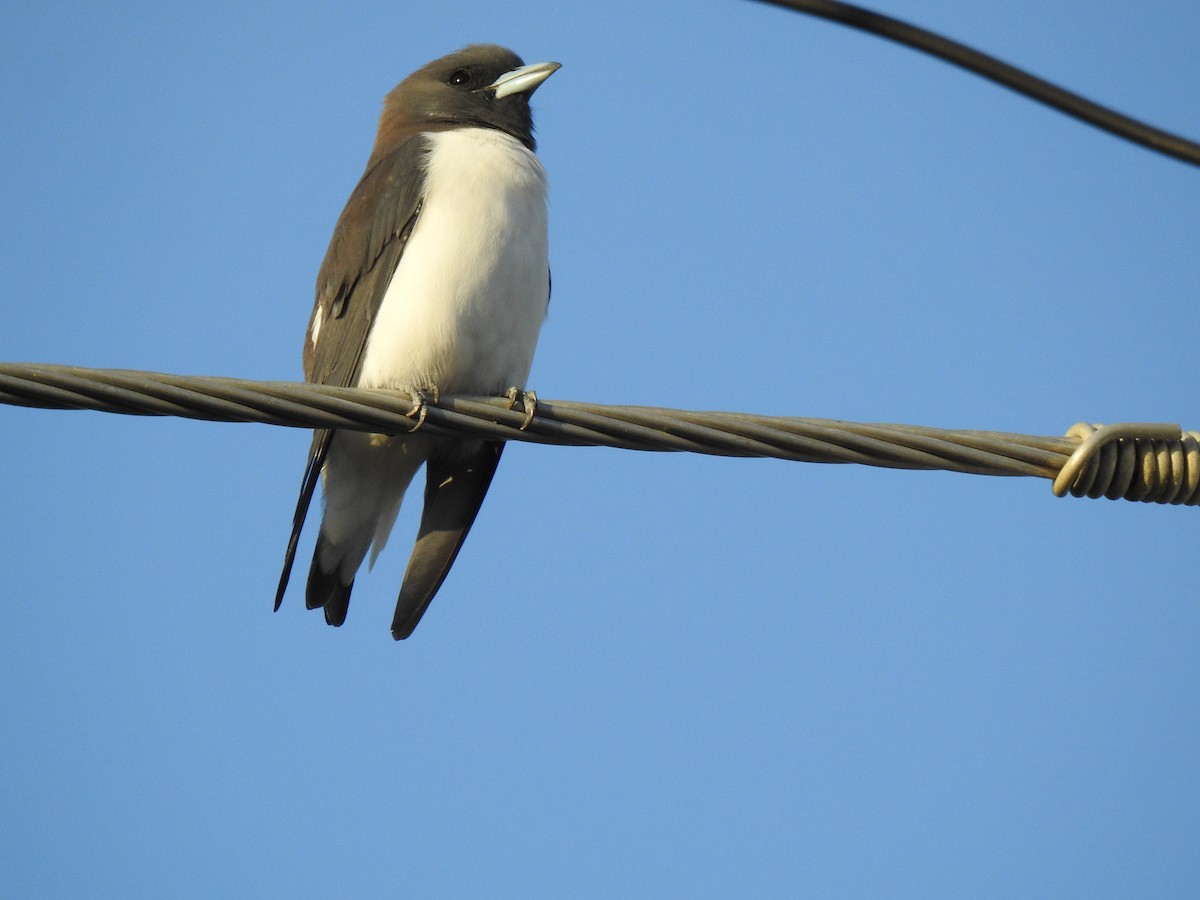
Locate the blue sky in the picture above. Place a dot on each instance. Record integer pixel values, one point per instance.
(647, 674)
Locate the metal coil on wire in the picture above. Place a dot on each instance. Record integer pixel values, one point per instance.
(1131, 461)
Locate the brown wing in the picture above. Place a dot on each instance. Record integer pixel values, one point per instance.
(366, 247)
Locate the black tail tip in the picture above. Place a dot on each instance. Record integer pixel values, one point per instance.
(402, 630)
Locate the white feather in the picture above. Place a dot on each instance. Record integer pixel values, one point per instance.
(464, 308)
(317, 322)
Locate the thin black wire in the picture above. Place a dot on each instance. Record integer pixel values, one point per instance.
(1000, 72)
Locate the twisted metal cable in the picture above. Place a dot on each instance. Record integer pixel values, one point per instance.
(1151, 463)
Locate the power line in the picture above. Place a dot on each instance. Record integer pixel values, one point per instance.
(1151, 463)
(1000, 72)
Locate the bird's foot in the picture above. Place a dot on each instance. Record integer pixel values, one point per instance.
(528, 401)
(421, 398)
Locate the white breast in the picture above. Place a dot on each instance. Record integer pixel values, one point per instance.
(463, 310)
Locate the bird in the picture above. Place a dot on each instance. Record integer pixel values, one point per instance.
(436, 281)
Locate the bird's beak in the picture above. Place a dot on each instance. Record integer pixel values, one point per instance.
(524, 80)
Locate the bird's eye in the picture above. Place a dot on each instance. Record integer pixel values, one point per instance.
(459, 77)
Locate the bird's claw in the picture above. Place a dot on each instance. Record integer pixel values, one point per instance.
(528, 401)
(420, 405)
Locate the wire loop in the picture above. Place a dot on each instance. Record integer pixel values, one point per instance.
(1133, 461)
